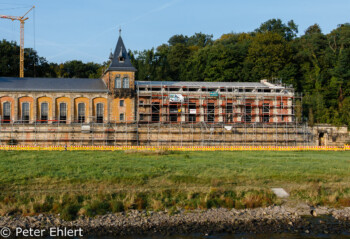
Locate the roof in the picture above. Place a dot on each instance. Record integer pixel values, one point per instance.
(201, 84)
(52, 84)
(117, 64)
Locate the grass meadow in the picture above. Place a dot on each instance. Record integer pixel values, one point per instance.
(94, 182)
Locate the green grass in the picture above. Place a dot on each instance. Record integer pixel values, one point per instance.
(316, 177)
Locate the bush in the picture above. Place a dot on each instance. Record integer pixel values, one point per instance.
(97, 208)
(117, 206)
(69, 212)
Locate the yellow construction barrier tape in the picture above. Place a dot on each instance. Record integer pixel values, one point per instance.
(176, 148)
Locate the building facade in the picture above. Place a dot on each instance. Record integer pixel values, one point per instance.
(117, 98)
(117, 110)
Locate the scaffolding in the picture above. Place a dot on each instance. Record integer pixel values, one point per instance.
(206, 115)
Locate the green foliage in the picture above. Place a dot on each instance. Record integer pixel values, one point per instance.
(36, 66)
(69, 212)
(98, 208)
(117, 206)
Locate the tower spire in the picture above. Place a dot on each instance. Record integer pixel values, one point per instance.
(120, 31)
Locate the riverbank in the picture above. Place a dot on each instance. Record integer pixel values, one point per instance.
(93, 183)
(273, 219)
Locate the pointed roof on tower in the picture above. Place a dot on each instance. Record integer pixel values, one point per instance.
(120, 60)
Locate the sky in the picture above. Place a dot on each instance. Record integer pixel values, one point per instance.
(87, 30)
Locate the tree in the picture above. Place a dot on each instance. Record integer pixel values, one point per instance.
(288, 31)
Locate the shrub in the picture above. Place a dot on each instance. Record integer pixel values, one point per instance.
(69, 212)
(117, 206)
(97, 208)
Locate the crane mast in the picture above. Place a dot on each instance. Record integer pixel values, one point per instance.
(21, 19)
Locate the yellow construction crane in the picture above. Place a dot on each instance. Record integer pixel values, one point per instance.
(21, 54)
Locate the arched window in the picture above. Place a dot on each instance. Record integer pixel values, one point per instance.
(118, 83)
(25, 112)
(44, 113)
(126, 83)
(63, 113)
(99, 113)
(81, 112)
(6, 112)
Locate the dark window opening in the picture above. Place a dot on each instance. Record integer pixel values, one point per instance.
(229, 111)
(266, 118)
(211, 112)
(7, 112)
(155, 112)
(25, 112)
(44, 112)
(121, 59)
(141, 103)
(81, 112)
(121, 117)
(248, 111)
(266, 108)
(248, 118)
(121, 103)
(99, 113)
(141, 117)
(173, 110)
(63, 113)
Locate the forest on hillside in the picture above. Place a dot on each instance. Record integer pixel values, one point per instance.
(316, 64)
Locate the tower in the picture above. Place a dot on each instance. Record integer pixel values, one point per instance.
(120, 80)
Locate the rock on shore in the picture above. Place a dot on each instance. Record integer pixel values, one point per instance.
(272, 219)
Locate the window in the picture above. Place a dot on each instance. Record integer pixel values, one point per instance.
(266, 108)
(266, 118)
(248, 109)
(248, 113)
(6, 113)
(141, 117)
(141, 103)
(229, 111)
(282, 118)
(121, 103)
(126, 83)
(173, 110)
(63, 113)
(118, 83)
(211, 112)
(44, 114)
(155, 112)
(25, 112)
(121, 117)
(99, 113)
(248, 118)
(282, 106)
(81, 112)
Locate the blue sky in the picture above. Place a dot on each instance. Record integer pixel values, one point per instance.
(87, 30)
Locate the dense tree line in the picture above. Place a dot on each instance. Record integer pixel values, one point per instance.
(316, 64)
(36, 66)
